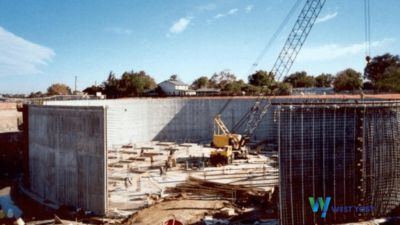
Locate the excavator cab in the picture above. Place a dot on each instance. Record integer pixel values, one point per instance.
(222, 137)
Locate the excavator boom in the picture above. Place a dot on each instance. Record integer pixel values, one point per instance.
(220, 126)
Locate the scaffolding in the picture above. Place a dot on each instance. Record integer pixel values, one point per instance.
(346, 151)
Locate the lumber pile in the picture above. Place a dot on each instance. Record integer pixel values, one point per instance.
(204, 187)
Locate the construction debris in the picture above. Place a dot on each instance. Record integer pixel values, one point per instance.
(238, 193)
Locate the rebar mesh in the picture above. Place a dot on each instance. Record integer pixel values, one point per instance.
(349, 152)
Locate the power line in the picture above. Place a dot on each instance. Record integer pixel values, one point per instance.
(277, 32)
(367, 14)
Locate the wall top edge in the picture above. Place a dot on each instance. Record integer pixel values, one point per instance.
(75, 107)
(337, 105)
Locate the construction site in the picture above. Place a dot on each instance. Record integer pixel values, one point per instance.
(123, 159)
(264, 159)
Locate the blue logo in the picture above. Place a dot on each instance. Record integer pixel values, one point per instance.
(320, 203)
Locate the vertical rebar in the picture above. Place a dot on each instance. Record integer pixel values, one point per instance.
(290, 163)
(302, 165)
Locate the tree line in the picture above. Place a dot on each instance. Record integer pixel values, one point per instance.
(382, 73)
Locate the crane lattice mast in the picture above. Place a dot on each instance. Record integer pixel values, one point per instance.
(295, 41)
(297, 37)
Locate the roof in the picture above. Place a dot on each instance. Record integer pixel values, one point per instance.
(187, 90)
(175, 82)
(208, 90)
(149, 90)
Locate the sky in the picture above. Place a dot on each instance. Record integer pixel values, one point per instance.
(46, 42)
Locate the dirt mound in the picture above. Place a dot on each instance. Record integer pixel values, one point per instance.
(185, 208)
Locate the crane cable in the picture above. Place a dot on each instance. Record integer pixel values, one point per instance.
(255, 64)
(277, 32)
(367, 13)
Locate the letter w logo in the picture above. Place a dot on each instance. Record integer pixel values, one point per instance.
(315, 205)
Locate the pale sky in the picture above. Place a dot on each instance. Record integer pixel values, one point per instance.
(45, 42)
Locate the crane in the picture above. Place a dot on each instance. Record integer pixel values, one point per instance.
(288, 54)
(282, 66)
(297, 37)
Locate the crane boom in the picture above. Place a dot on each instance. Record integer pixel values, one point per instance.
(295, 41)
(220, 126)
(297, 37)
(288, 54)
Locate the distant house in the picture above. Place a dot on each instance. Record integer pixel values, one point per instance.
(313, 91)
(174, 87)
(208, 91)
(79, 93)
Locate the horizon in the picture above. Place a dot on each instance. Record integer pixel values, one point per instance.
(52, 42)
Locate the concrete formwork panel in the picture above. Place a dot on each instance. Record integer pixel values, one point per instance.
(67, 154)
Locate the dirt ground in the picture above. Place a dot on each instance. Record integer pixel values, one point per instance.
(8, 119)
(189, 210)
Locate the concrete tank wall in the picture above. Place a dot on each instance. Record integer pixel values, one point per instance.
(67, 155)
(173, 119)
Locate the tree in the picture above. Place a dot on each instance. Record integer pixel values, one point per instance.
(376, 67)
(324, 80)
(262, 78)
(300, 79)
(111, 86)
(391, 81)
(173, 77)
(35, 95)
(368, 85)
(133, 83)
(221, 79)
(251, 88)
(234, 86)
(130, 83)
(201, 82)
(58, 89)
(349, 80)
(32, 95)
(93, 90)
(283, 88)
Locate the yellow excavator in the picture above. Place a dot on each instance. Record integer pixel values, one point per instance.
(228, 145)
(222, 156)
(223, 137)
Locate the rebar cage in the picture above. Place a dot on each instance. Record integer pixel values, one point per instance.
(348, 152)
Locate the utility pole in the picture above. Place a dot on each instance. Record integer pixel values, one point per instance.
(75, 83)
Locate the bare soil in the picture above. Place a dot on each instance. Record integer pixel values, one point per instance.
(189, 210)
(8, 119)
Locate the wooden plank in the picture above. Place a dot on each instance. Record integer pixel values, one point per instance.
(153, 154)
(116, 178)
(173, 149)
(128, 152)
(187, 145)
(116, 165)
(142, 159)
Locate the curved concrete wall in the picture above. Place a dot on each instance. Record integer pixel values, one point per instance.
(172, 119)
(67, 155)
